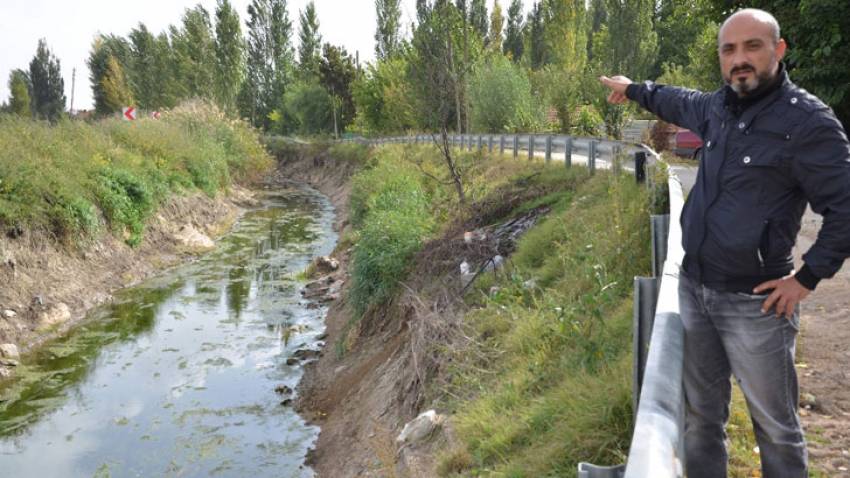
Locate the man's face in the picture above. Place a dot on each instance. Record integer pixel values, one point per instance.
(749, 54)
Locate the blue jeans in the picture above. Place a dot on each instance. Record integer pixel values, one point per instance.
(726, 333)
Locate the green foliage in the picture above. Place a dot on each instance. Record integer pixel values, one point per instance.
(513, 44)
(309, 106)
(229, 56)
(383, 98)
(48, 87)
(501, 98)
(535, 36)
(389, 205)
(116, 91)
(588, 121)
(70, 179)
(549, 383)
(564, 34)
(19, 94)
(336, 73)
(194, 53)
(388, 31)
(310, 42)
(104, 47)
(678, 24)
(497, 21)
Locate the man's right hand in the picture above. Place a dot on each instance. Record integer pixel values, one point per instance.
(618, 86)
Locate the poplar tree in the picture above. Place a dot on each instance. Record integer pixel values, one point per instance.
(534, 31)
(387, 34)
(513, 44)
(194, 53)
(565, 34)
(478, 18)
(229, 56)
(309, 42)
(141, 74)
(48, 87)
(116, 91)
(102, 48)
(497, 21)
(19, 93)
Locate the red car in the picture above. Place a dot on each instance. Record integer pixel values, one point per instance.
(686, 143)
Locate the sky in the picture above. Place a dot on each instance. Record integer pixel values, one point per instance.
(70, 26)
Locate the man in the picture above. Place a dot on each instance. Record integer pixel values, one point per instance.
(769, 148)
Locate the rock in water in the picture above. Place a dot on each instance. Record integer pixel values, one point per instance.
(192, 239)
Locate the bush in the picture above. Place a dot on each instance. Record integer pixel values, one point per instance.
(501, 98)
(64, 178)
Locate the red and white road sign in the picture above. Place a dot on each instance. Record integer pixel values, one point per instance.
(129, 113)
(155, 114)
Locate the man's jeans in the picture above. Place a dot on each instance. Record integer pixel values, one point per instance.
(726, 333)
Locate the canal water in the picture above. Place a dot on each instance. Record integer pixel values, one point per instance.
(177, 376)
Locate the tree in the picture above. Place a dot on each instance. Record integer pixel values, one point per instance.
(229, 56)
(337, 72)
(535, 36)
(19, 94)
(310, 107)
(513, 45)
(387, 34)
(48, 87)
(194, 53)
(383, 98)
(478, 18)
(631, 19)
(116, 91)
(141, 74)
(282, 55)
(310, 42)
(434, 76)
(564, 34)
(494, 39)
(678, 24)
(103, 47)
(501, 98)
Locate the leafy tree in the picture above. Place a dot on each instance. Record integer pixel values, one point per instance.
(103, 47)
(194, 53)
(19, 94)
(497, 21)
(141, 72)
(678, 24)
(564, 33)
(387, 34)
(337, 72)
(478, 18)
(229, 55)
(310, 42)
(598, 18)
(627, 45)
(383, 98)
(48, 87)
(116, 90)
(535, 33)
(501, 97)
(513, 45)
(309, 106)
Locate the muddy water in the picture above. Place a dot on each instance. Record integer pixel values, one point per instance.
(177, 377)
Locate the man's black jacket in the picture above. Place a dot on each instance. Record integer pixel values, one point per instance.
(757, 171)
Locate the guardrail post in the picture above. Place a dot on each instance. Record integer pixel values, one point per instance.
(586, 470)
(660, 228)
(501, 144)
(568, 151)
(480, 142)
(548, 148)
(469, 143)
(616, 160)
(591, 157)
(516, 146)
(530, 147)
(646, 296)
(640, 166)
(490, 143)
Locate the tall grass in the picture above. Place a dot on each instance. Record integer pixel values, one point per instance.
(74, 179)
(548, 383)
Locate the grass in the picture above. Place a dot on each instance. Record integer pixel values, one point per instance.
(75, 179)
(548, 384)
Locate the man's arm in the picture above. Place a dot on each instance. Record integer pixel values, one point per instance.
(822, 164)
(680, 106)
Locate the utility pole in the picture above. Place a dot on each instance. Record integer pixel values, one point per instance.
(73, 86)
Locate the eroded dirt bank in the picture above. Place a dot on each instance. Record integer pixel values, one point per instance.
(48, 287)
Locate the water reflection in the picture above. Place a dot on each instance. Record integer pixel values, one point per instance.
(176, 377)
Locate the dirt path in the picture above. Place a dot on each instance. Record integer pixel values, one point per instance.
(824, 369)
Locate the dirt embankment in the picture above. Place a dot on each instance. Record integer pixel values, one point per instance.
(362, 398)
(47, 287)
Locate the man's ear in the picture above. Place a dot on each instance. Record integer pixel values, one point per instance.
(781, 47)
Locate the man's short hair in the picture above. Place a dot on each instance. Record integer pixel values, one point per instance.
(759, 15)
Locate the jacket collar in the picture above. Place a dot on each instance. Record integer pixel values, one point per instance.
(781, 87)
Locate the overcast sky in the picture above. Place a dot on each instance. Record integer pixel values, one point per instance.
(70, 26)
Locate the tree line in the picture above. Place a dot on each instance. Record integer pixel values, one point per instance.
(457, 67)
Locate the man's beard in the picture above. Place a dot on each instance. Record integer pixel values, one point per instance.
(746, 87)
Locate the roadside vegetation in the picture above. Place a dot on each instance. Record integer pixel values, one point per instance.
(74, 180)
